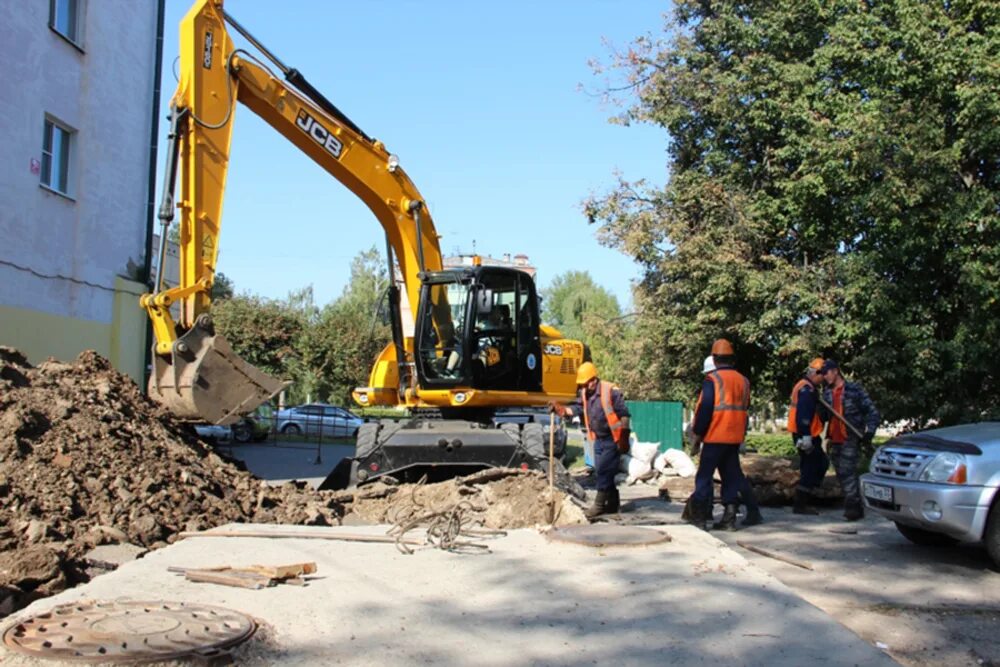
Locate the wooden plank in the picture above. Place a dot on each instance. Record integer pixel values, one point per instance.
(771, 554)
(230, 578)
(344, 537)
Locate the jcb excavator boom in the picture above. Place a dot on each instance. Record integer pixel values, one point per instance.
(196, 374)
(474, 347)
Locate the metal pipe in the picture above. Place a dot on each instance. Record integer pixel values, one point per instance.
(253, 40)
(415, 207)
(166, 214)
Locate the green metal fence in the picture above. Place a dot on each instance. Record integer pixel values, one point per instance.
(658, 421)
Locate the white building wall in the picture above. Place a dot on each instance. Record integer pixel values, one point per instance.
(104, 91)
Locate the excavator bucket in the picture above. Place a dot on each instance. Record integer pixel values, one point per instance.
(204, 380)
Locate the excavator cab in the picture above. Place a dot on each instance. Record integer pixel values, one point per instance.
(478, 328)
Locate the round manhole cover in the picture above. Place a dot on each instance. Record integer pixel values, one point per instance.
(129, 631)
(606, 535)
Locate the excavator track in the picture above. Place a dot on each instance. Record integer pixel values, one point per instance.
(410, 449)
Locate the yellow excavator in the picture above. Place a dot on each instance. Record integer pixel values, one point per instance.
(474, 366)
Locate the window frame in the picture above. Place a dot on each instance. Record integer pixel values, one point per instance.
(77, 7)
(65, 160)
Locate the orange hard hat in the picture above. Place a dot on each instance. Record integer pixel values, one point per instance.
(585, 373)
(722, 348)
(816, 364)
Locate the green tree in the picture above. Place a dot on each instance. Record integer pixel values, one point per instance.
(222, 287)
(341, 348)
(264, 332)
(833, 189)
(583, 310)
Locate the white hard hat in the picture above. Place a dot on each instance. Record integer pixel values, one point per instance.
(709, 364)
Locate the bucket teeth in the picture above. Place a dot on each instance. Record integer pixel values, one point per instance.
(205, 380)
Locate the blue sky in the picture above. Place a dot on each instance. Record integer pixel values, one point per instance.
(482, 104)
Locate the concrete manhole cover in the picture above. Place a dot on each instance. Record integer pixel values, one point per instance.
(607, 535)
(129, 632)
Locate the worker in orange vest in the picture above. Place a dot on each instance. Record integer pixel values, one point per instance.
(806, 427)
(608, 425)
(720, 427)
(747, 497)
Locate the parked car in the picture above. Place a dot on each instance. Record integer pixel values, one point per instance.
(254, 427)
(318, 419)
(940, 486)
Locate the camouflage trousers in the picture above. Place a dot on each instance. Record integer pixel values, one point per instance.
(845, 457)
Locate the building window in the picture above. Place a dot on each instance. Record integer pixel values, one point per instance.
(57, 143)
(64, 18)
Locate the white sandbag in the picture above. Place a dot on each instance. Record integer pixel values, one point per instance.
(680, 462)
(661, 463)
(645, 451)
(638, 470)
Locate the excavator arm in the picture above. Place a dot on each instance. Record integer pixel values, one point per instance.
(195, 372)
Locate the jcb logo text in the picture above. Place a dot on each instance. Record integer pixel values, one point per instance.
(320, 134)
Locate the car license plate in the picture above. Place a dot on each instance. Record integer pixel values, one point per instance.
(878, 492)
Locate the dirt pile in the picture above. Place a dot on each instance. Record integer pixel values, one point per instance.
(86, 459)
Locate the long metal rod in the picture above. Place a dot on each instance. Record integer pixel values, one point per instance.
(839, 416)
(253, 40)
(167, 208)
(415, 208)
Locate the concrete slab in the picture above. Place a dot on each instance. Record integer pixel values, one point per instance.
(532, 601)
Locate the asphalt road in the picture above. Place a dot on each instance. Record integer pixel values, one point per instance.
(923, 606)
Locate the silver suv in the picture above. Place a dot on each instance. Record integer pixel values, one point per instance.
(940, 486)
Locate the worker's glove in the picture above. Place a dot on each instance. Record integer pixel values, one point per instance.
(743, 448)
(560, 410)
(695, 448)
(866, 440)
(805, 444)
(623, 442)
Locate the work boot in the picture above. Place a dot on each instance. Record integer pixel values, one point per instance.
(854, 510)
(801, 503)
(698, 515)
(599, 507)
(614, 502)
(753, 517)
(728, 520)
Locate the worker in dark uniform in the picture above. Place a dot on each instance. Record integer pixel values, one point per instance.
(806, 427)
(720, 427)
(850, 401)
(608, 425)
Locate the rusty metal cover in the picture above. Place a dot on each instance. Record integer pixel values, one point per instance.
(131, 632)
(608, 535)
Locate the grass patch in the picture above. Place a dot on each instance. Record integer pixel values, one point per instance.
(573, 457)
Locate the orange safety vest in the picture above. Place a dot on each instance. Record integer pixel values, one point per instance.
(837, 431)
(613, 421)
(729, 414)
(816, 425)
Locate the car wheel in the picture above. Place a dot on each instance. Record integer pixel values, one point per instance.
(991, 537)
(291, 429)
(243, 432)
(925, 538)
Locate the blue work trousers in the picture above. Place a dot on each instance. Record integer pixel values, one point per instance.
(607, 460)
(812, 466)
(725, 459)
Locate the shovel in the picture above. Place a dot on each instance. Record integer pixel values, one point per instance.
(861, 436)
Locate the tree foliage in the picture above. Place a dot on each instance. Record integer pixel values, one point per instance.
(583, 310)
(833, 190)
(341, 348)
(326, 352)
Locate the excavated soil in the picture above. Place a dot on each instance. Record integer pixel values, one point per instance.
(86, 459)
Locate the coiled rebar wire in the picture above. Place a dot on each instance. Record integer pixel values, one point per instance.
(443, 527)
